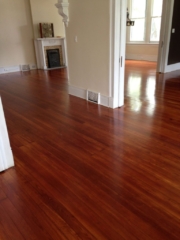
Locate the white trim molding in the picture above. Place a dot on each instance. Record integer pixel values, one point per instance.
(142, 57)
(114, 50)
(17, 68)
(165, 37)
(9, 69)
(117, 51)
(82, 93)
(63, 9)
(6, 157)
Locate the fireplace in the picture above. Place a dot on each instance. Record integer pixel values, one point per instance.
(53, 58)
(50, 53)
(55, 51)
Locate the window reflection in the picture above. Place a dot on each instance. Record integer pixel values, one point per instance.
(142, 92)
(134, 91)
(150, 95)
(150, 89)
(134, 86)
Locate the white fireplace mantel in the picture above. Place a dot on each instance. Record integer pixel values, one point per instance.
(40, 46)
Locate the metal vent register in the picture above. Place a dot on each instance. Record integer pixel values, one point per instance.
(93, 97)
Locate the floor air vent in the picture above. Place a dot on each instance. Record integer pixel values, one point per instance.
(93, 97)
(25, 67)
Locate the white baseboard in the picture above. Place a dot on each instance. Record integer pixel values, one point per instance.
(81, 93)
(17, 68)
(111, 103)
(150, 58)
(77, 92)
(172, 68)
(9, 69)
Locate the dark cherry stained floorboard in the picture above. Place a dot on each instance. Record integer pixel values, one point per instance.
(84, 171)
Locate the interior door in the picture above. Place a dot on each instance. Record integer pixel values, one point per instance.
(6, 157)
(165, 36)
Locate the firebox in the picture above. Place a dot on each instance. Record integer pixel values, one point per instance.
(53, 58)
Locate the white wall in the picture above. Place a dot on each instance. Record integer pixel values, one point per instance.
(89, 57)
(16, 40)
(45, 11)
(148, 52)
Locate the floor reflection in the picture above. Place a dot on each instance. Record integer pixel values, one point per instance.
(140, 86)
(150, 93)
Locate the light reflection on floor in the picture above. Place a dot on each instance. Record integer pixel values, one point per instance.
(150, 93)
(140, 87)
(134, 91)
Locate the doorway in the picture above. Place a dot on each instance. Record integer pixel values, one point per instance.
(142, 43)
(119, 33)
(142, 39)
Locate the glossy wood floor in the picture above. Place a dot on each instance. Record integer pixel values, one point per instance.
(88, 172)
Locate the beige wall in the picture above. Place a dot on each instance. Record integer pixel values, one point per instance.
(16, 39)
(89, 57)
(142, 51)
(17, 33)
(45, 11)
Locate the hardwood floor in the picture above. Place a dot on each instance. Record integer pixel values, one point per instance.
(87, 172)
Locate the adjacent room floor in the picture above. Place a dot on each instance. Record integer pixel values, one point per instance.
(85, 171)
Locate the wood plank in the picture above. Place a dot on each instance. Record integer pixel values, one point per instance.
(84, 171)
(9, 229)
(28, 217)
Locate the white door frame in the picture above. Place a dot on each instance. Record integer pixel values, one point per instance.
(117, 51)
(122, 52)
(118, 45)
(6, 157)
(165, 35)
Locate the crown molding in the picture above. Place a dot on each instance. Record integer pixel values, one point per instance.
(63, 9)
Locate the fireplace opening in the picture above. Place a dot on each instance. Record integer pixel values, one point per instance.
(53, 58)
